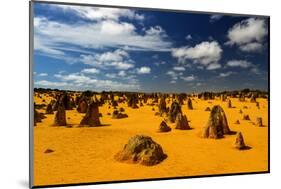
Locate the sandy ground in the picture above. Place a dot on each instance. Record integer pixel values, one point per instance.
(86, 154)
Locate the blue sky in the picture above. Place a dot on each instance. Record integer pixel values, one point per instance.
(94, 48)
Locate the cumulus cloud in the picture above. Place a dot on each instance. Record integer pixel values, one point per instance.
(204, 53)
(144, 70)
(179, 68)
(118, 59)
(51, 36)
(98, 13)
(90, 71)
(213, 66)
(239, 63)
(42, 74)
(188, 78)
(188, 37)
(215, 17)
(248, 34)
(79, 81)
(159, 63)
(226, 74)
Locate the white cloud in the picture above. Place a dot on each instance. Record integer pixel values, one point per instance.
(213, 66)
(50, 36)
(248, 34)
(122, 73)
(42, 74)
(173, 75)
(215, 17)
(95, 13)
(80, 81)
(45, 83)
(179, 68)
(90, 71)
(159, 63)
(188, 78)
(144, 70)
(251, 47)
(118, 59)
(204, 53)
(188, 37)
(239, 63)
(225, 74)
(173, 81)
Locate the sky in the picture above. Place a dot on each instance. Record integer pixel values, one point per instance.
(120, 49)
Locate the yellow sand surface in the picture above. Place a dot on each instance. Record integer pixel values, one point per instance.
(87, 154)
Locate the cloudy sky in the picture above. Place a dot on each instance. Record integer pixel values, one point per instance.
(90, 48)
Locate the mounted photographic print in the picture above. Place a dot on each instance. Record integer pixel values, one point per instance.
(121, 94)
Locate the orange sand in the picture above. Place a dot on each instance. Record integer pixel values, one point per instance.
(86, 154)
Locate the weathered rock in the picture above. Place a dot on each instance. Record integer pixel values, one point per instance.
(91, 118)
(162, 106)
(48, 151)
(229, 103)
(60, 116)
(259, 122)
(246, 117)
(118, 115)
(181, 122)
(239, 142)
(174, 111)
(217, 125)
(141, 149)
(189, 104)
(82, 106)
(208, 109)
(164, 127)
(49, 109)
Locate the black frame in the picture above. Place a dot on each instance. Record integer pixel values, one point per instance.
(31, 107)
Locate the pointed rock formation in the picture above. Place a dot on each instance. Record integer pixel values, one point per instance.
(246, 117)
(162, 106)
(237, 122)
(181, 122)
(208, 109)
(141, 149)
(239, 142)
(118, 115)
(229, 103)
(217, 124)
(189, 104)
(164, 127)
(91, 118)
(259, 122)
(82, 106)
(174, 110)
(49, 109)
(60, 116)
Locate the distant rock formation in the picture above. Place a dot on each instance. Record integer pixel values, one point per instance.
(259, 122)
(91, 118)
(174, 110)
(49, 109)
(118, 115)
(189, 104)
(60, 116)
(82, 106)
(246, 117)
(229, 103)
(217, 124)
(141, 149)
(164, 127)
(239, 142)
(182, 122)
